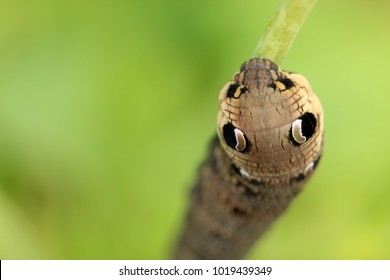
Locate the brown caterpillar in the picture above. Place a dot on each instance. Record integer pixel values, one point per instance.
(270, 138)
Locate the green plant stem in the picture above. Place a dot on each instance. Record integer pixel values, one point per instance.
(282, 29)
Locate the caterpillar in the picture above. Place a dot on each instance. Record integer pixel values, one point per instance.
(269, 142)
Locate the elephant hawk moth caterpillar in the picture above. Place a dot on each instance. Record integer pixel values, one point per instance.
(270, 140)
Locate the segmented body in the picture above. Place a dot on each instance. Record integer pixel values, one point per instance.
(270, 129)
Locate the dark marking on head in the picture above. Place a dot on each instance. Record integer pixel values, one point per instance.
(235, 138)
(272, 85)
(288, 83)
(309, 123)
(243, 89)
(232, 89)
(228, 135)
(235, 90)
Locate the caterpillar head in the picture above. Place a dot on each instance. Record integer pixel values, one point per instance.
(270, 124)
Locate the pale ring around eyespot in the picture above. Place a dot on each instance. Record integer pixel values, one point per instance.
(240, 140)
(296, 131)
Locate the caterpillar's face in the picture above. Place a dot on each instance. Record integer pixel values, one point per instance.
(270, 124)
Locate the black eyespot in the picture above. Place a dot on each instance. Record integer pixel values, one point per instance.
(228, 135)
(309, 124)
(303, 128)
(235, 138)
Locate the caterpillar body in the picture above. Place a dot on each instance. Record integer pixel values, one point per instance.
(270, 140)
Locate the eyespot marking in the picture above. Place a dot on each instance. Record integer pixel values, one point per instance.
(303, 128)
(234, 137)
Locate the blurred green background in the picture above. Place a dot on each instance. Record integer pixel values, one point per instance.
(106, 110)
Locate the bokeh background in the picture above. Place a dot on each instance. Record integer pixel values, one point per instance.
(107, 108)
